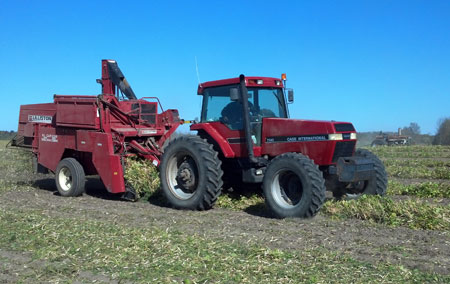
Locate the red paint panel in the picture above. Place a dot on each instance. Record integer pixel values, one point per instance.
(249, 82)
(214, 130)
(27, 112)
(108, 165)
(220, 133)
(77, 111)
(320, 151)
(51, 147)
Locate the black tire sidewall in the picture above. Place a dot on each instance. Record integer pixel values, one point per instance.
(194, 152)
(78, 177)
(372, 187)
(299, 210)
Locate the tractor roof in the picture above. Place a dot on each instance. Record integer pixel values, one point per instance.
(249, 82)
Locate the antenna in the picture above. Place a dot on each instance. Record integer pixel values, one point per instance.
(198, 74)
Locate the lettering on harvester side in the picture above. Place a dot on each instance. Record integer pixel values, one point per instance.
(40, 118)
(305, 138)
(49, 138)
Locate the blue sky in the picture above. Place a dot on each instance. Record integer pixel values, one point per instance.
(379, 64)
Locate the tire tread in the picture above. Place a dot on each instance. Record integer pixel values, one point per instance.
(213, 171)
(316, 178)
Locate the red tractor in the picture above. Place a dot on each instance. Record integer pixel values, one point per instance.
(245, 135)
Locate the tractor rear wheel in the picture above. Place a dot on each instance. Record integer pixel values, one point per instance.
(70, 178)
(293, 186)
(190, 173)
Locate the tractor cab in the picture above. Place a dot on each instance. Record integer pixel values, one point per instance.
(223, 104)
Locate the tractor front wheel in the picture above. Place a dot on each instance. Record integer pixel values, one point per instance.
(190, 173)
(293, 186)
(376, 185)
(70, 178)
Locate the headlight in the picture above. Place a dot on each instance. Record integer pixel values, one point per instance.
(353, 136)
(335, 136)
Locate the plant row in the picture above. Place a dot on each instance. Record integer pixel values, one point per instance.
(431, 163)
(384, 210)
(424, 189)
(71, 247)
(421, 172)
(412, 151)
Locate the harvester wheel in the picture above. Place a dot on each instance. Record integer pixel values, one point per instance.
(190, 173)
(293, 186)
(70, 178)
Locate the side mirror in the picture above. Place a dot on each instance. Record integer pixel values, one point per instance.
(290, 96)
(234, 94)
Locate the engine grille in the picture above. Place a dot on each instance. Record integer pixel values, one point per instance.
(343, 149)
(340, 127)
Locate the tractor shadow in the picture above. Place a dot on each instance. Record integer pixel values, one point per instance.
(251, 195)
(156, 198)
(94, 188)
(259, 210)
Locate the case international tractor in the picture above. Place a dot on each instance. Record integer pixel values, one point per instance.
(244, 136)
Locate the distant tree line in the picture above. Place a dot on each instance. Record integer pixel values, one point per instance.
(7, 135)
(443, 133)
(411, 130)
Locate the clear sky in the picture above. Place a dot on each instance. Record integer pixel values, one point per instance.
(379, 64)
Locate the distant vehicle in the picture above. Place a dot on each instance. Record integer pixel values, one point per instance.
(391, 140)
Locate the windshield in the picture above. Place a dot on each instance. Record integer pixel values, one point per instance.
(263, 102)
(267, 102)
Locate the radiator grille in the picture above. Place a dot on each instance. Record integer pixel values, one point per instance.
(343, 149)
(340, 127)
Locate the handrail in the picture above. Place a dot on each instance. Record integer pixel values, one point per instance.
(160, 105)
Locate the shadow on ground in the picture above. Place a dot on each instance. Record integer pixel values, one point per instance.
(94, 188)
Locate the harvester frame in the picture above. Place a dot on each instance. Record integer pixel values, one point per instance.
(92, 135)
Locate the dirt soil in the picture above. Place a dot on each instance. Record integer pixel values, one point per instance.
(416, 249)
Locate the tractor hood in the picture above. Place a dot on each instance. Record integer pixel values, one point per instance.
(277, 128)
(309, 137)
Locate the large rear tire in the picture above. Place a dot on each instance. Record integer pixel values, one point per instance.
(70, 178)
(190, 173)
(293, 186)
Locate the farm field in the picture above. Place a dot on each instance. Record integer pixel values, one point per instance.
(402, 237)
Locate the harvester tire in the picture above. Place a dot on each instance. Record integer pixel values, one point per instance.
(70, 178)
(191, 173)
(293, 186)
(377, 185)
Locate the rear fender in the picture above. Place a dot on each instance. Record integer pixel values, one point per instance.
(215, 135)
